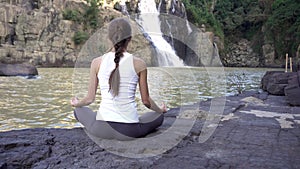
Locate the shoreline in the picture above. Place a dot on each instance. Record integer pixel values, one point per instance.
(265, 67)
(256, 130)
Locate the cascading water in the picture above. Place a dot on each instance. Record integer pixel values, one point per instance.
(215, 55)
(149, 21)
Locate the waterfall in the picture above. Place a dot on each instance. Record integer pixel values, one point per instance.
(215, 54)
(124, 8)
(187, 22)
(150, 22)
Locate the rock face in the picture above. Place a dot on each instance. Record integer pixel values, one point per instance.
(196, 47)
(201, 49)
(17, 70)
(35, 32)
(241, 55)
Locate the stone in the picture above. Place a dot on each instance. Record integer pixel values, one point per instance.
(274, 82)
(241, 55)
(249, 136)
(269, 53)
(283, 83)
(17, 70)
(200, 50)
(35, 32)
(38, 31)
(292, 94)
(276, 89)
(292, 91)
(268, 77)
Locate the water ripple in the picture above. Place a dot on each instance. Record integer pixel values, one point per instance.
(44, 101)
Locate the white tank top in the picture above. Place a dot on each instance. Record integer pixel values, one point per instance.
(121, 108)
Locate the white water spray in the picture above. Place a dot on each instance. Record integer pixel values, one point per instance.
(149, 20)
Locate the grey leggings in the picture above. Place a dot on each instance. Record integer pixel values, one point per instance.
(116, 130)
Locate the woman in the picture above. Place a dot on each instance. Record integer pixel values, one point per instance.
(117, 74)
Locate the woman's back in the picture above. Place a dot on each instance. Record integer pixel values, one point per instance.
(120, 108)
(118, 73)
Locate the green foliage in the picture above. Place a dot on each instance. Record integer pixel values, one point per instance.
(73, 15)
(283, 26)
(246, 18)
(91, 15)
(238, 15)
(89, 19)
(278, 20)
(80, 37)
(198, 12)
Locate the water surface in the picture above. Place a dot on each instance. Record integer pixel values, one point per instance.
(44, 101)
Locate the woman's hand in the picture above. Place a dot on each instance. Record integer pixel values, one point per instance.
(74, 101)
(163, 108)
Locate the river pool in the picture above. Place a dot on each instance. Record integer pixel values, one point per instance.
(44, 101)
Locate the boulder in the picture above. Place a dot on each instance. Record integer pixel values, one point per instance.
(268, 77)
(17, 70)
(292, 90)
(274, 82)
(283, 83)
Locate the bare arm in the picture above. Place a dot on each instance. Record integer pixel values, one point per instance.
(146, 99)
(92, 88)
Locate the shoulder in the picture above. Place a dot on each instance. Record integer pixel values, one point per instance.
(97, 60)
(95, 65)
(139, 64)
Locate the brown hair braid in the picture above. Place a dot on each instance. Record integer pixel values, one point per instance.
(119, 33)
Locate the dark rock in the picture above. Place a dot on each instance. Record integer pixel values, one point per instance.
(244, 138)
(17, 70)
(3, 165)
(283, 83)
(274, 82)
(276, 89)
(292, 91)
(293, 95)
(295, 110)
(266, 78)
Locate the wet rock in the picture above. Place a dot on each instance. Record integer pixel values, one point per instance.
(17, 70)
(249, 135)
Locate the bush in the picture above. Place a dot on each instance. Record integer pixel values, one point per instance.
(89, 18)
(283, 27)
(91, 15)
(199, 13)
(80, 37)
(72, 15)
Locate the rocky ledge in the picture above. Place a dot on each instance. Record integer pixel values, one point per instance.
(283, 83)
(17, 70)
(256, 130)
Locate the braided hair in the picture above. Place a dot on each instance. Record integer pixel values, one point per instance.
(119, 33)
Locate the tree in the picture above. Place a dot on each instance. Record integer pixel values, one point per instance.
(283, 26)
(91, 15)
